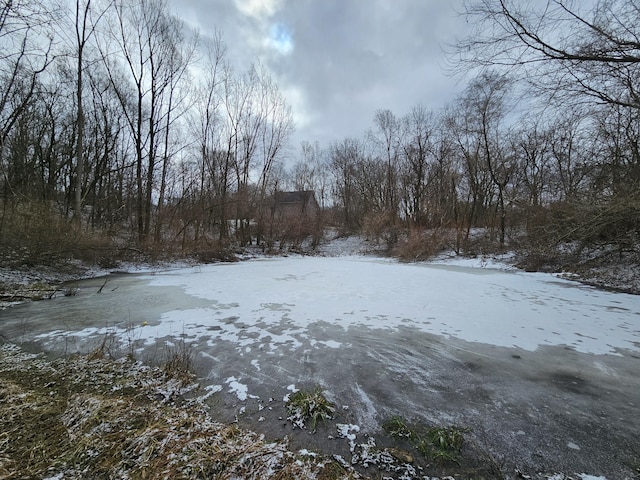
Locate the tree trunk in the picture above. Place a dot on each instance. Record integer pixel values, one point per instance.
(77, 216)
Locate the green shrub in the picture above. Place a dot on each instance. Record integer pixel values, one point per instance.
(435, 443)
(309, 405)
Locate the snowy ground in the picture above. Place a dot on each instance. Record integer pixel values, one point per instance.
(542, 366)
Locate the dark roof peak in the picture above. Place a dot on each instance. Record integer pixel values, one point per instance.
(298, 196)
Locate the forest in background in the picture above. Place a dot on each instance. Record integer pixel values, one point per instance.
(123, 131)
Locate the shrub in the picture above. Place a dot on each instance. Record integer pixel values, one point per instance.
(381, 226)
(422, 245)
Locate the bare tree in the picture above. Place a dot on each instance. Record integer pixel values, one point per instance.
(256, 127)
(215, 159)
(312, 172)
(304, 172)
(485, 101)
(25, 52)
(561, 46)
(386, 139)
(241, 127)
(531, 144)
(474, 186)
(568, 144)
(175, 103)
(85, 25)
(108, 155)
(616, 170)
(345, 157)
(276, 128)
(417, 145)
(148, 42)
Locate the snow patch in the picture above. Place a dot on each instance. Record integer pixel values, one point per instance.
(238, 388)
(306, 453)
(211, 390)
(476, 300)
(292, 389)
(348, 431)
(330, 344)
(369, 410)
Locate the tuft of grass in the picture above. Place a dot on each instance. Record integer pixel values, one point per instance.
(436, 443)
(311, 405)
(397, 427)
(107, 348)
(179, 363)
(332, 470)
(446, 439)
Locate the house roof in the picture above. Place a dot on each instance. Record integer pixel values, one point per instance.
(300, 196)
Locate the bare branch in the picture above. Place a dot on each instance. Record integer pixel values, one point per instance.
(560, 47)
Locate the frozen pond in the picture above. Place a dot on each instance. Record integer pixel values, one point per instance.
(542, 370)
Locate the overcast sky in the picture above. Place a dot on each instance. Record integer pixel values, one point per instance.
(338, 61)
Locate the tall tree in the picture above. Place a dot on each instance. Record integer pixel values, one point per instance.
(345, 157)
(85, 26)
(485, 101)
(386, 139)
(215, 161)
(175, 99)
(475, 183)
(418, 128)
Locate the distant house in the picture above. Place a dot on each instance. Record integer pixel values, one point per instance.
(295, 216)
(300, 205)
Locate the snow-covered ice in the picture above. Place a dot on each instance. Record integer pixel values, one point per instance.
(474, 303)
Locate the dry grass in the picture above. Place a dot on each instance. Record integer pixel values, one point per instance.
(98, 418)
(423, 245)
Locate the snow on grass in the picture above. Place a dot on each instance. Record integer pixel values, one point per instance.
(64, 420)
(348, 431)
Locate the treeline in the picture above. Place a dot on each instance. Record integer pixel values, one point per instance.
(540, 151)
(120, 126)
(117, 119)
(544, 180)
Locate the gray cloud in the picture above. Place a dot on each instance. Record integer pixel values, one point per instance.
(338, 61)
